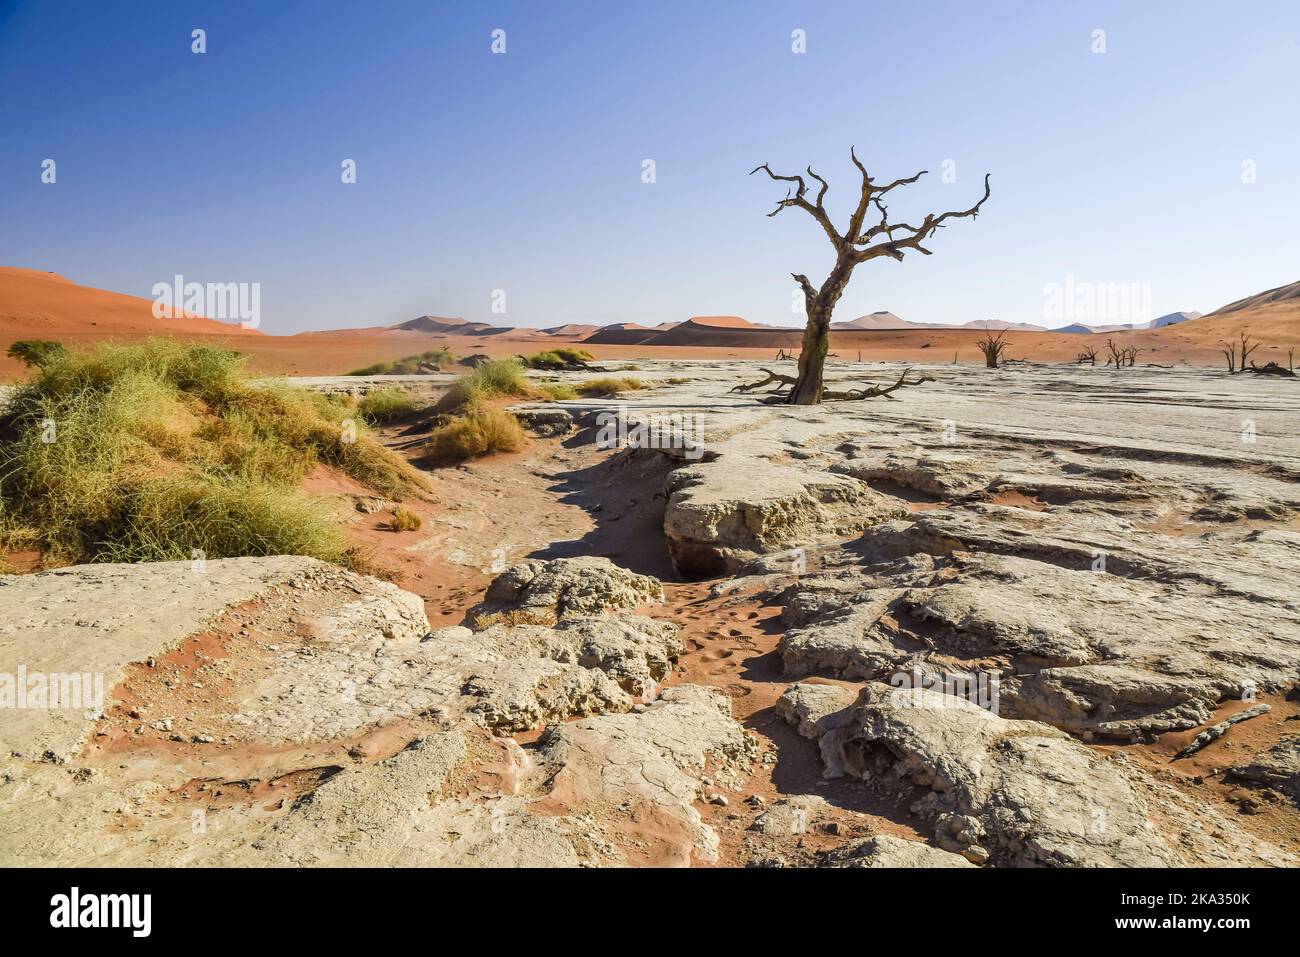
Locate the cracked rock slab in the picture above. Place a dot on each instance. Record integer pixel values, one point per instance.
(1020, 792)
(650, 762)
(884, 850)
(545, 591)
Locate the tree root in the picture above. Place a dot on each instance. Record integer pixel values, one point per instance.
(785, 386)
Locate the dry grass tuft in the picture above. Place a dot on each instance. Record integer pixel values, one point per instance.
(608, 386)
(476, 434)
(404, 520)
(386, 405)
(164, 450)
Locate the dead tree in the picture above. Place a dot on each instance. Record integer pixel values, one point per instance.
(1130, 354)
(856, 244)
(1116, 354)
(993, 348)
(1088, 355)
(1290, 358)
(1229, 351)
(1247, 347)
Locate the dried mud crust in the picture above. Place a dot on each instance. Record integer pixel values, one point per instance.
(589, 722)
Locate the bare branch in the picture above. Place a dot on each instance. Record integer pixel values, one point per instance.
(894, 248)
(821, 193)
(796, 198)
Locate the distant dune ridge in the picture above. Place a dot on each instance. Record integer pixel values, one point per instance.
(1270, 297)
(44, 305)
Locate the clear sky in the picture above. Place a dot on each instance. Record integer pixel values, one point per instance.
(522, 171)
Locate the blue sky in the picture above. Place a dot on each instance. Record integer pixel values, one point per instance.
(522, 171)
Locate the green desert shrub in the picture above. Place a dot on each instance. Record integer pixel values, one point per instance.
(386, 405)
(495, 378)
(609, 386)
(151, 451)
(410, 365)
(475, 434)
(559, 357)
(557, 391)
(37, 352)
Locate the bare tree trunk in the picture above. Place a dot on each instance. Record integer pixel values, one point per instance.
(812, 362)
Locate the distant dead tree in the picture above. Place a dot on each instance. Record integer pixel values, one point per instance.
(782, 355)
(1088, 355)
(1229, 351)
(993, 348)
(1247, 347)
(1121, 358)
(857, 244)
(1290, 358)
(1230, 354)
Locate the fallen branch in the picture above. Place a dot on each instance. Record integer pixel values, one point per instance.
(783, 380)
(1215, 732)
(1271, 368)
(780, 393)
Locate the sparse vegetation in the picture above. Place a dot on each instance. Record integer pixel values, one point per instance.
(492, 379)
(163, 450)
(608, 386)
(37, 352)
(422, 364)
(404, 520)
(557, 391)
(386, 405)
(561, 357)
(475, 434)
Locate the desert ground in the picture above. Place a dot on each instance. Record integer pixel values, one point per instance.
(698, 653)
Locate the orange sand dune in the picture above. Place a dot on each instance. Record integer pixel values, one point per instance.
(43, 305)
